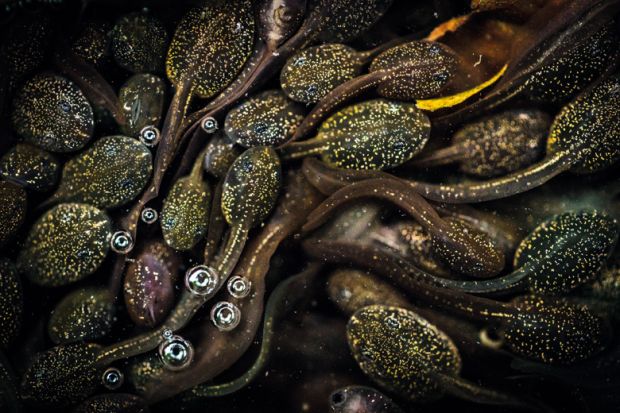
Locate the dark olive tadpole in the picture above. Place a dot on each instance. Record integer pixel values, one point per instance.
(139, 42)
(185, 211)
(82, 315)
(52, 112)
(141, 99)
(219, 154)
(149, 284)
(13, 204)
(30, 167)
(11, 302)
(267, 119)
(409, 71)
(61, 376)
(312, 73)
(346, 19)
(92, 42)
(376, 134)
(584, 138)
(561, 254)
(353, 289)
(463, 248)
(361, 399)
(113, 402)
(66, 244)
(110, 173)
(24, 46)
(494, 146)
(406, 354)
(532, 327)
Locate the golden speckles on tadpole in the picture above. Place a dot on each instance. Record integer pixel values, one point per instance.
(12, 209)
(483, 261)
(53, 113)
(352, 289)
(185, 212)
(588, 128)
(567, 250)
(574, 69)
(65, 244)
(375, 134)
(141, 99)
(220, 153)
(92, 43)
(251, 186)
(312, 73)
(401, 351)
(110, 173)
(113, 403)
(30, 167)
(267, 119)
(25, 46)
(346, 19)
(555, 332)
(210, 45)
(503, 143)
(139, 42)
(149, 284)
(84, 314)
(62, 375)
(416, 70)
(11, 302)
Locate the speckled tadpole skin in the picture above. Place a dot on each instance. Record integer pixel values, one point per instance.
(569, 250)
(31, 167)
(312, 73)
(84, 314)
(53, 113)
(141, 100)
(61, 376)
(139, 43)
(399, 349)
(11, 302)
(113, 403)
(268, 118)
(110, 173)
(221, 35)
(65, 244)
(12, 209)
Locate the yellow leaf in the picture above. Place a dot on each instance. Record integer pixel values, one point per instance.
(452, 100)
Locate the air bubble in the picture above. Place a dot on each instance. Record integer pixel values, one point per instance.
(149, 136)
(112, 378)
(209, 125)
(121, 242)
(201, 280)
(149, 215)
(176, 353)
(225, 316)
(238, 286)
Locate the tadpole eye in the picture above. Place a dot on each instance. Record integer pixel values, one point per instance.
(64, 106)
(338, 398)
(260, 127)
(441, 76)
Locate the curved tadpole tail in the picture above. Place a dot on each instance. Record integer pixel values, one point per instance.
(286, 297)
(440, 157)
(509, 283)
(335, 98)
(499, 188)
(328, 179)
(464, 389)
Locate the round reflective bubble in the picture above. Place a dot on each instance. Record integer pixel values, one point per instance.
(149, 215)
(225, 316)
(201, 280)
(112, 378)
(121, 242)
(209, 125)
(239, 286)
(176, 353)
(150, 136)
